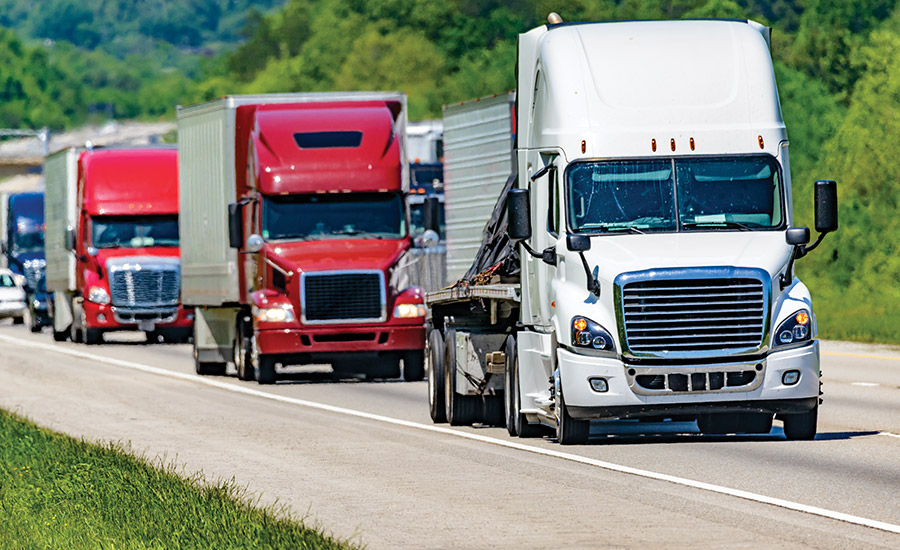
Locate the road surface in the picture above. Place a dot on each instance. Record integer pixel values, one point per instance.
(363, 460)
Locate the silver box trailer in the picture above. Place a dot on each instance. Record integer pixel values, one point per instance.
(206, 170)
(61, 178)
(479, 156)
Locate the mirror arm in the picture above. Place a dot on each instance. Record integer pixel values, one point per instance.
(593, 285)
(798, 252)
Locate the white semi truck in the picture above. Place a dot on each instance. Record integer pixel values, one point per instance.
(639, 261)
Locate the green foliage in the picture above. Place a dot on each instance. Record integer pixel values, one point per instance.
(56, 492)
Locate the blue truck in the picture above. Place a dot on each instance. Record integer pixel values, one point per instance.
(22, 247)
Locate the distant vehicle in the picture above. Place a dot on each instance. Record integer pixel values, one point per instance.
(113, 244)
(37, 300)
(12, 297)
(638, 250)
(295, 234)
(22, 237)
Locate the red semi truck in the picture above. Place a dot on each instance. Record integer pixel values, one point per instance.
(112, 244)
(295, 234)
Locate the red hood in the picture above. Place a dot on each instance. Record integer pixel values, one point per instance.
(330, 254)
(104, 254)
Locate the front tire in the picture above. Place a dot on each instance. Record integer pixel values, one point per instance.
(265, 369)
(570, 431)
(414, 365)
(436, 401)
(243, 360)
(461, 410)
(19, 320)
(93, 336)
(801, 427)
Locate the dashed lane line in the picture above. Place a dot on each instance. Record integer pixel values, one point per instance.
(509, 444)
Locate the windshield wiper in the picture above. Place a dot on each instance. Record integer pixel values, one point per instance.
(606, 228)
(354, 232)
(723, 224)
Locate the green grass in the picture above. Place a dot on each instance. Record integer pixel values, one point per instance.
(58, 492)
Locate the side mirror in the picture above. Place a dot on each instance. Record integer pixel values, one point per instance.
(92, 251)
(254, 244)
(427, 239)
(235, 226)
(578, 243)
(518, 209)
(432, 214)
(70, 238)
(797, 236)
(826, 206)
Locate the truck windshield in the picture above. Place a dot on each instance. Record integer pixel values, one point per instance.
(32, 241)
(134, 231)
(680, 194)
(357, 215)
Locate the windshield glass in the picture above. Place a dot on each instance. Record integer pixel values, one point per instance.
(32, 241)
(134, 231)
(688, 194)
(357, 215)
(6, 281)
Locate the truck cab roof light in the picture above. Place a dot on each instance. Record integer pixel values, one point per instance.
(762, 144)
(692, 144)
(583, 146)
(653, 145)
(672, 144)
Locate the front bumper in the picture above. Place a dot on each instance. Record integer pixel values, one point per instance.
(331, 340)
(109, 317)
(626, 398)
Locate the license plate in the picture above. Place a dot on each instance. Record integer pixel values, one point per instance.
(146, 326)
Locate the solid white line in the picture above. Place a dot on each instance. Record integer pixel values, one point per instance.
(865, 384)
(889, 434)
(746, 495)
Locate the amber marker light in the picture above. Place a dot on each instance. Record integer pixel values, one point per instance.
(692, 144)
(672, 143)
(580, 324)
(762, 144)
(653, 145)
(802, 318)
(583, 146)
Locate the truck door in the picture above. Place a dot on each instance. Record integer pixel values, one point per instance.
(541, 277)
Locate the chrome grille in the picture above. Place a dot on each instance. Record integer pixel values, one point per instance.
(343, 297)
(695, 315)
(151, 283)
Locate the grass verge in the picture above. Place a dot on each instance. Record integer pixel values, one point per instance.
(58, 492)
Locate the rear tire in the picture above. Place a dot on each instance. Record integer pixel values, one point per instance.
(801, 427)
(204, 368)
(436, 401)
(516, 422)
(19, 320)
(60, 335)
(570, 431)
(461, 410)
(414, 365)
(265, 369)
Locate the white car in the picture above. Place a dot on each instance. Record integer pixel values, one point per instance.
(12, 297)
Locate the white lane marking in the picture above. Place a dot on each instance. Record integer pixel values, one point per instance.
(889, 434)
(746, 495)
(865, 384)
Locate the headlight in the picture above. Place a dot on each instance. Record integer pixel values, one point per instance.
(795, 329)
(278, 314)
(98, 295)
(590, 335)
(406, 311)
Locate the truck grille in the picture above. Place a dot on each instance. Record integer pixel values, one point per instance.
(343, 297)
(671, 317)
(144, 284)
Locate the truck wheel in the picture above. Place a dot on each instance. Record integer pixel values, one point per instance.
(801, 427)
(414, 365)
(570, 431)
(19, 320)
(93, 336)
(436, 405)
(74, 333)
(34, 324)
(60, 335)
(265, 369)
(516, 422)
(243, 361)
(384, 367)
(461, 410)
(494, 410)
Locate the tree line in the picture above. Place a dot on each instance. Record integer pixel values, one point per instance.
(837, 64)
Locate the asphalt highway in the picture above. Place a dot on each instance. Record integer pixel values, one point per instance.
(363, 460)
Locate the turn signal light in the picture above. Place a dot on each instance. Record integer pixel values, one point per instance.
(802, 318)
(580, 324)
